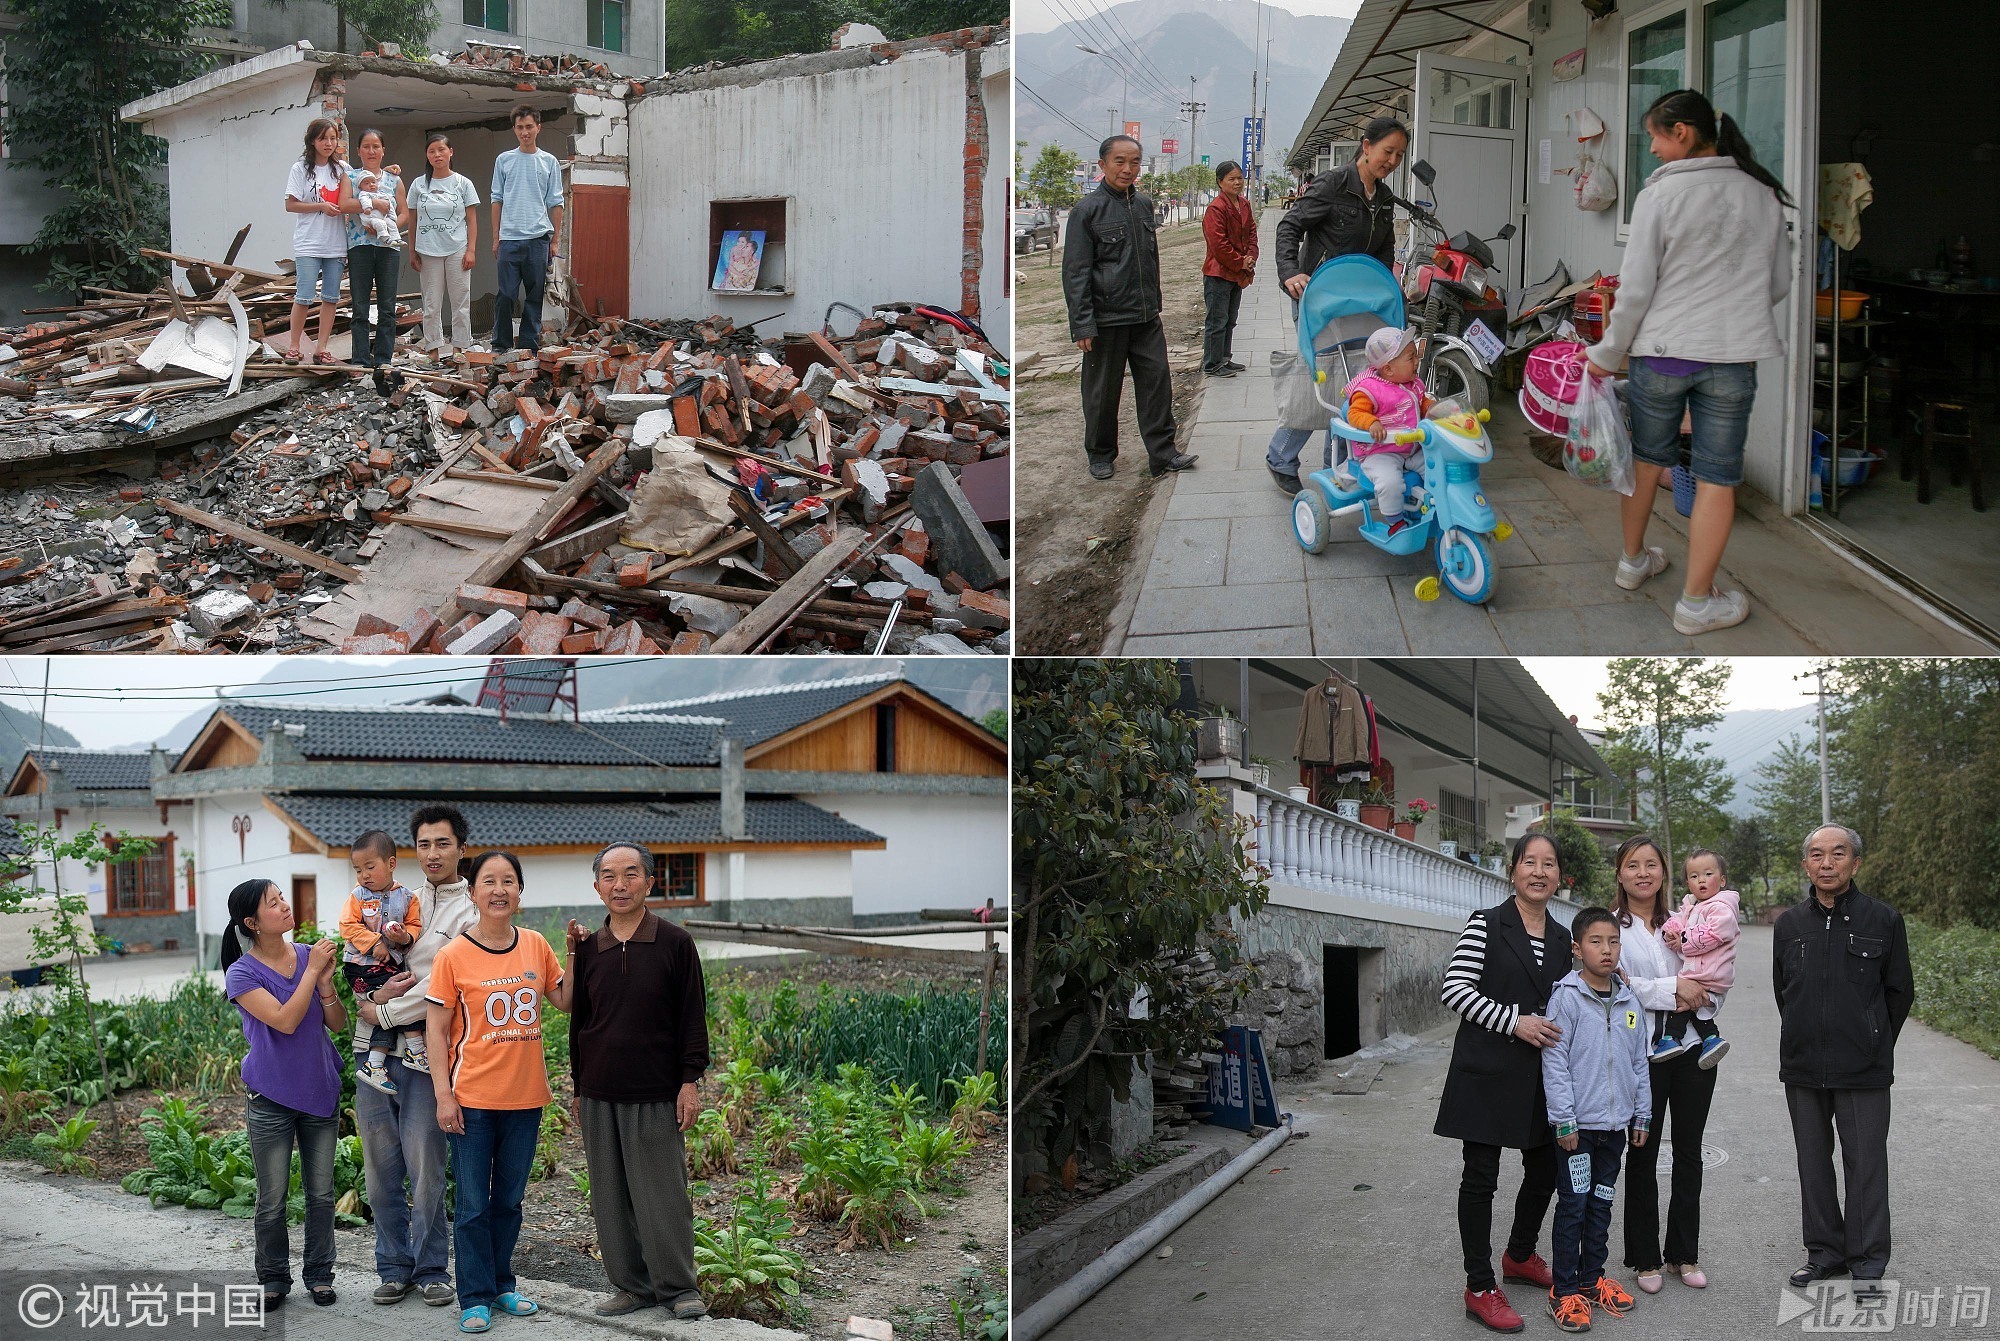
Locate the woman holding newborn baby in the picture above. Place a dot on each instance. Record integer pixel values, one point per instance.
(371, 199)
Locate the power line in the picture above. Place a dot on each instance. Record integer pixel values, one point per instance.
(1103, 36)
(1130, 43)
(1053, 110)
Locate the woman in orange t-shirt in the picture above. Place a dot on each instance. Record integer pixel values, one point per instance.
(486, 996)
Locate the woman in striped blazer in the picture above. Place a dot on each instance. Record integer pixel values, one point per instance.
(1507, 961)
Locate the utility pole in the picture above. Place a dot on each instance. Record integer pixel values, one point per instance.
(1115, 126)
(1825, 787)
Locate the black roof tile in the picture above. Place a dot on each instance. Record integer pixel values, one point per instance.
(477, 735)
(96, 770)
(338, 820)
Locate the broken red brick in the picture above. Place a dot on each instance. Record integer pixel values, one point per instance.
(382, 459)
(692, 642)
(589, 616)
(401, 485)
(370, 622)
(420, 628)
(579, 644)
(635, 570)
(491, 600)
(260, 592)
(393, 643)
(542, 633)
(453, 416)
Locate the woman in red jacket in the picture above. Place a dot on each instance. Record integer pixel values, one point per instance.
(1230, 230)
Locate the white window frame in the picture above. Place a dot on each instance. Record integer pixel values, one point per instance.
(1696, 28)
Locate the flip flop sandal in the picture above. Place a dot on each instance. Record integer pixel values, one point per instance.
(478, 1318)
(325, 358)
(513, 1303)
(291, 356)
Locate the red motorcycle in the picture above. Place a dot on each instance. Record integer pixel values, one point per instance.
(1456, 302)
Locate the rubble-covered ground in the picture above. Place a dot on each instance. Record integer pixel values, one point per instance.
(888, 446)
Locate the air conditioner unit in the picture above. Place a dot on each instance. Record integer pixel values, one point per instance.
(1538, 16)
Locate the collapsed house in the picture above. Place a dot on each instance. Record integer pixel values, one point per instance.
(809, 466)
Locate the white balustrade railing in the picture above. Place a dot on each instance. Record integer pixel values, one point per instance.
(1310, 848)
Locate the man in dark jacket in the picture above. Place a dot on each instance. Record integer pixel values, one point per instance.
(1111, 280)
(638, 1043)
(1841, 970)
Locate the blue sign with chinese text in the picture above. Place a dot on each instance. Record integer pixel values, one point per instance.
(1239, 1085)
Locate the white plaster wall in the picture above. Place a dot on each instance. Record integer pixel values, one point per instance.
(996, 306)
(265, 854)
(140, 822)
(227, 161)
(789, 875)
(943, 852)
(872, 159)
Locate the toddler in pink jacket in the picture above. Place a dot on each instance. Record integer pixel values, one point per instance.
(1703, 932)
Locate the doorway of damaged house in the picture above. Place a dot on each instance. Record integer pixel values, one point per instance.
(1870, 433)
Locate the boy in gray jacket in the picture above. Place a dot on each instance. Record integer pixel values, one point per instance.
(1595, 1077)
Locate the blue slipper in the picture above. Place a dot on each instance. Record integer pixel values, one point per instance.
(513, 1303)
(478, 1318)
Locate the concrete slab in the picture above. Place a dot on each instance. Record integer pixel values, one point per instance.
(1216, 609)
(1262, 550)
(1189, 554)
(1355, 616)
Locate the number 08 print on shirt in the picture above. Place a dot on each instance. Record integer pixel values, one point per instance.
(495, 998)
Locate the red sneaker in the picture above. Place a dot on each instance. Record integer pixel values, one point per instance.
(1534, 1271)
(1490, 1309)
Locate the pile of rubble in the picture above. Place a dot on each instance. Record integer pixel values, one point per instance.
(674, 487)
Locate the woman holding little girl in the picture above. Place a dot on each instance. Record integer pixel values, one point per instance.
(1675, 964)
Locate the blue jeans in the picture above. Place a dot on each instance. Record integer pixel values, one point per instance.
(273, 1129)
(524, 274)
(1286, 446)
(319, 274)
(372, 275)
(490, 1159)
(402, 1148)
(1717, 397)
(1584, 1181)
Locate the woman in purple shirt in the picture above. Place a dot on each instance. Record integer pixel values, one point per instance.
(285, 994)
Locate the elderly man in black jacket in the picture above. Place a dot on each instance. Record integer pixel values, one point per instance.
(1111, 281)
(1841, 970)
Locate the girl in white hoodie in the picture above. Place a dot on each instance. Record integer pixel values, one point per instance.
(1705, 265)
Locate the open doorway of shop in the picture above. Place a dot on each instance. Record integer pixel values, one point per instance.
(1352, 981)
(1908, 387)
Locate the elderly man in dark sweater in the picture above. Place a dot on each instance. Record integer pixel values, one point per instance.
(638, 1037)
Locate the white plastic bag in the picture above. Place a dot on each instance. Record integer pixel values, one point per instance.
(1598, 449)
(1298, 407)
(1596, 187)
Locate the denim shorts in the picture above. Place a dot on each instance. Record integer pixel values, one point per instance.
(321, 272)
(1717, 398)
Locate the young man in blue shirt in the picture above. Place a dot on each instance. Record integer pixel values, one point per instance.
(527, 221)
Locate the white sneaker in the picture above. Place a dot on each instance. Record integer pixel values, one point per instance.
(1720, 610)
(375, 1075)
(1632, 573)
(415, 1056)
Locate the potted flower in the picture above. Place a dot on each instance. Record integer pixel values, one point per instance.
(1494, 856)
(1413, 815)
(1376, 807)
(1343, 799)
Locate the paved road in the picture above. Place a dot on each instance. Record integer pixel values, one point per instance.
(1300, 1249)
(56, 1225)
(1224, 575)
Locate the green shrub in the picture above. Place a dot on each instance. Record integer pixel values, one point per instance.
(1957, 973)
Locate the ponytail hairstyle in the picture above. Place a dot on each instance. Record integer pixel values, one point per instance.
(1378, 130)
(244, 901)
(430, 172)
(1684, 106)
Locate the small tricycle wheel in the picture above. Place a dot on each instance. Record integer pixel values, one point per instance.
(1312, 520)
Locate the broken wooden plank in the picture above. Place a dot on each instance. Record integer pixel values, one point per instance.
(216, 267)
(492, 572)
(250, 535)
(775, 545)
(565, 550)
(450, 527)
(796, 591)
(782, 466)
(495, 477)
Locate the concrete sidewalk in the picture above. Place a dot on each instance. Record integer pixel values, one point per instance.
(1225, 576)
(59, 1225)
(1352, 1231)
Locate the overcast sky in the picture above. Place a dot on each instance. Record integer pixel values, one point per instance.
(1754, 682)
(1038, 16)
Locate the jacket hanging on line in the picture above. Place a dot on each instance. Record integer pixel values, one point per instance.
(1336, 727)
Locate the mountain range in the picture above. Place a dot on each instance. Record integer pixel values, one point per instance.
(1161, 44)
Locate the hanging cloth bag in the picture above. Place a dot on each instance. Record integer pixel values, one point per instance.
(1595, 185)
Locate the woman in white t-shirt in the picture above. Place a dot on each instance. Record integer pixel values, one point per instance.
(446, 245)
(319, 235)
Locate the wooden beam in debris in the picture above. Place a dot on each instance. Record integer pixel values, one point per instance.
(798, 589)
(494, 571)
(250, 535)
(820, 942)
(216, 267)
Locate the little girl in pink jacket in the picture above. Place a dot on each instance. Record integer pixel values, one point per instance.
(1703, 932)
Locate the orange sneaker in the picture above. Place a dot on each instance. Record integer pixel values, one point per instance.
(1612, 1297)
(1571, 1312)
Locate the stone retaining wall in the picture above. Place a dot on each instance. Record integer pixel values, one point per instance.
(1058, 1250)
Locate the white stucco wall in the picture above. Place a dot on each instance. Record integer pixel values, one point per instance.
(871, 159)
(139, 821)
(996, 305)
(943, 851)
